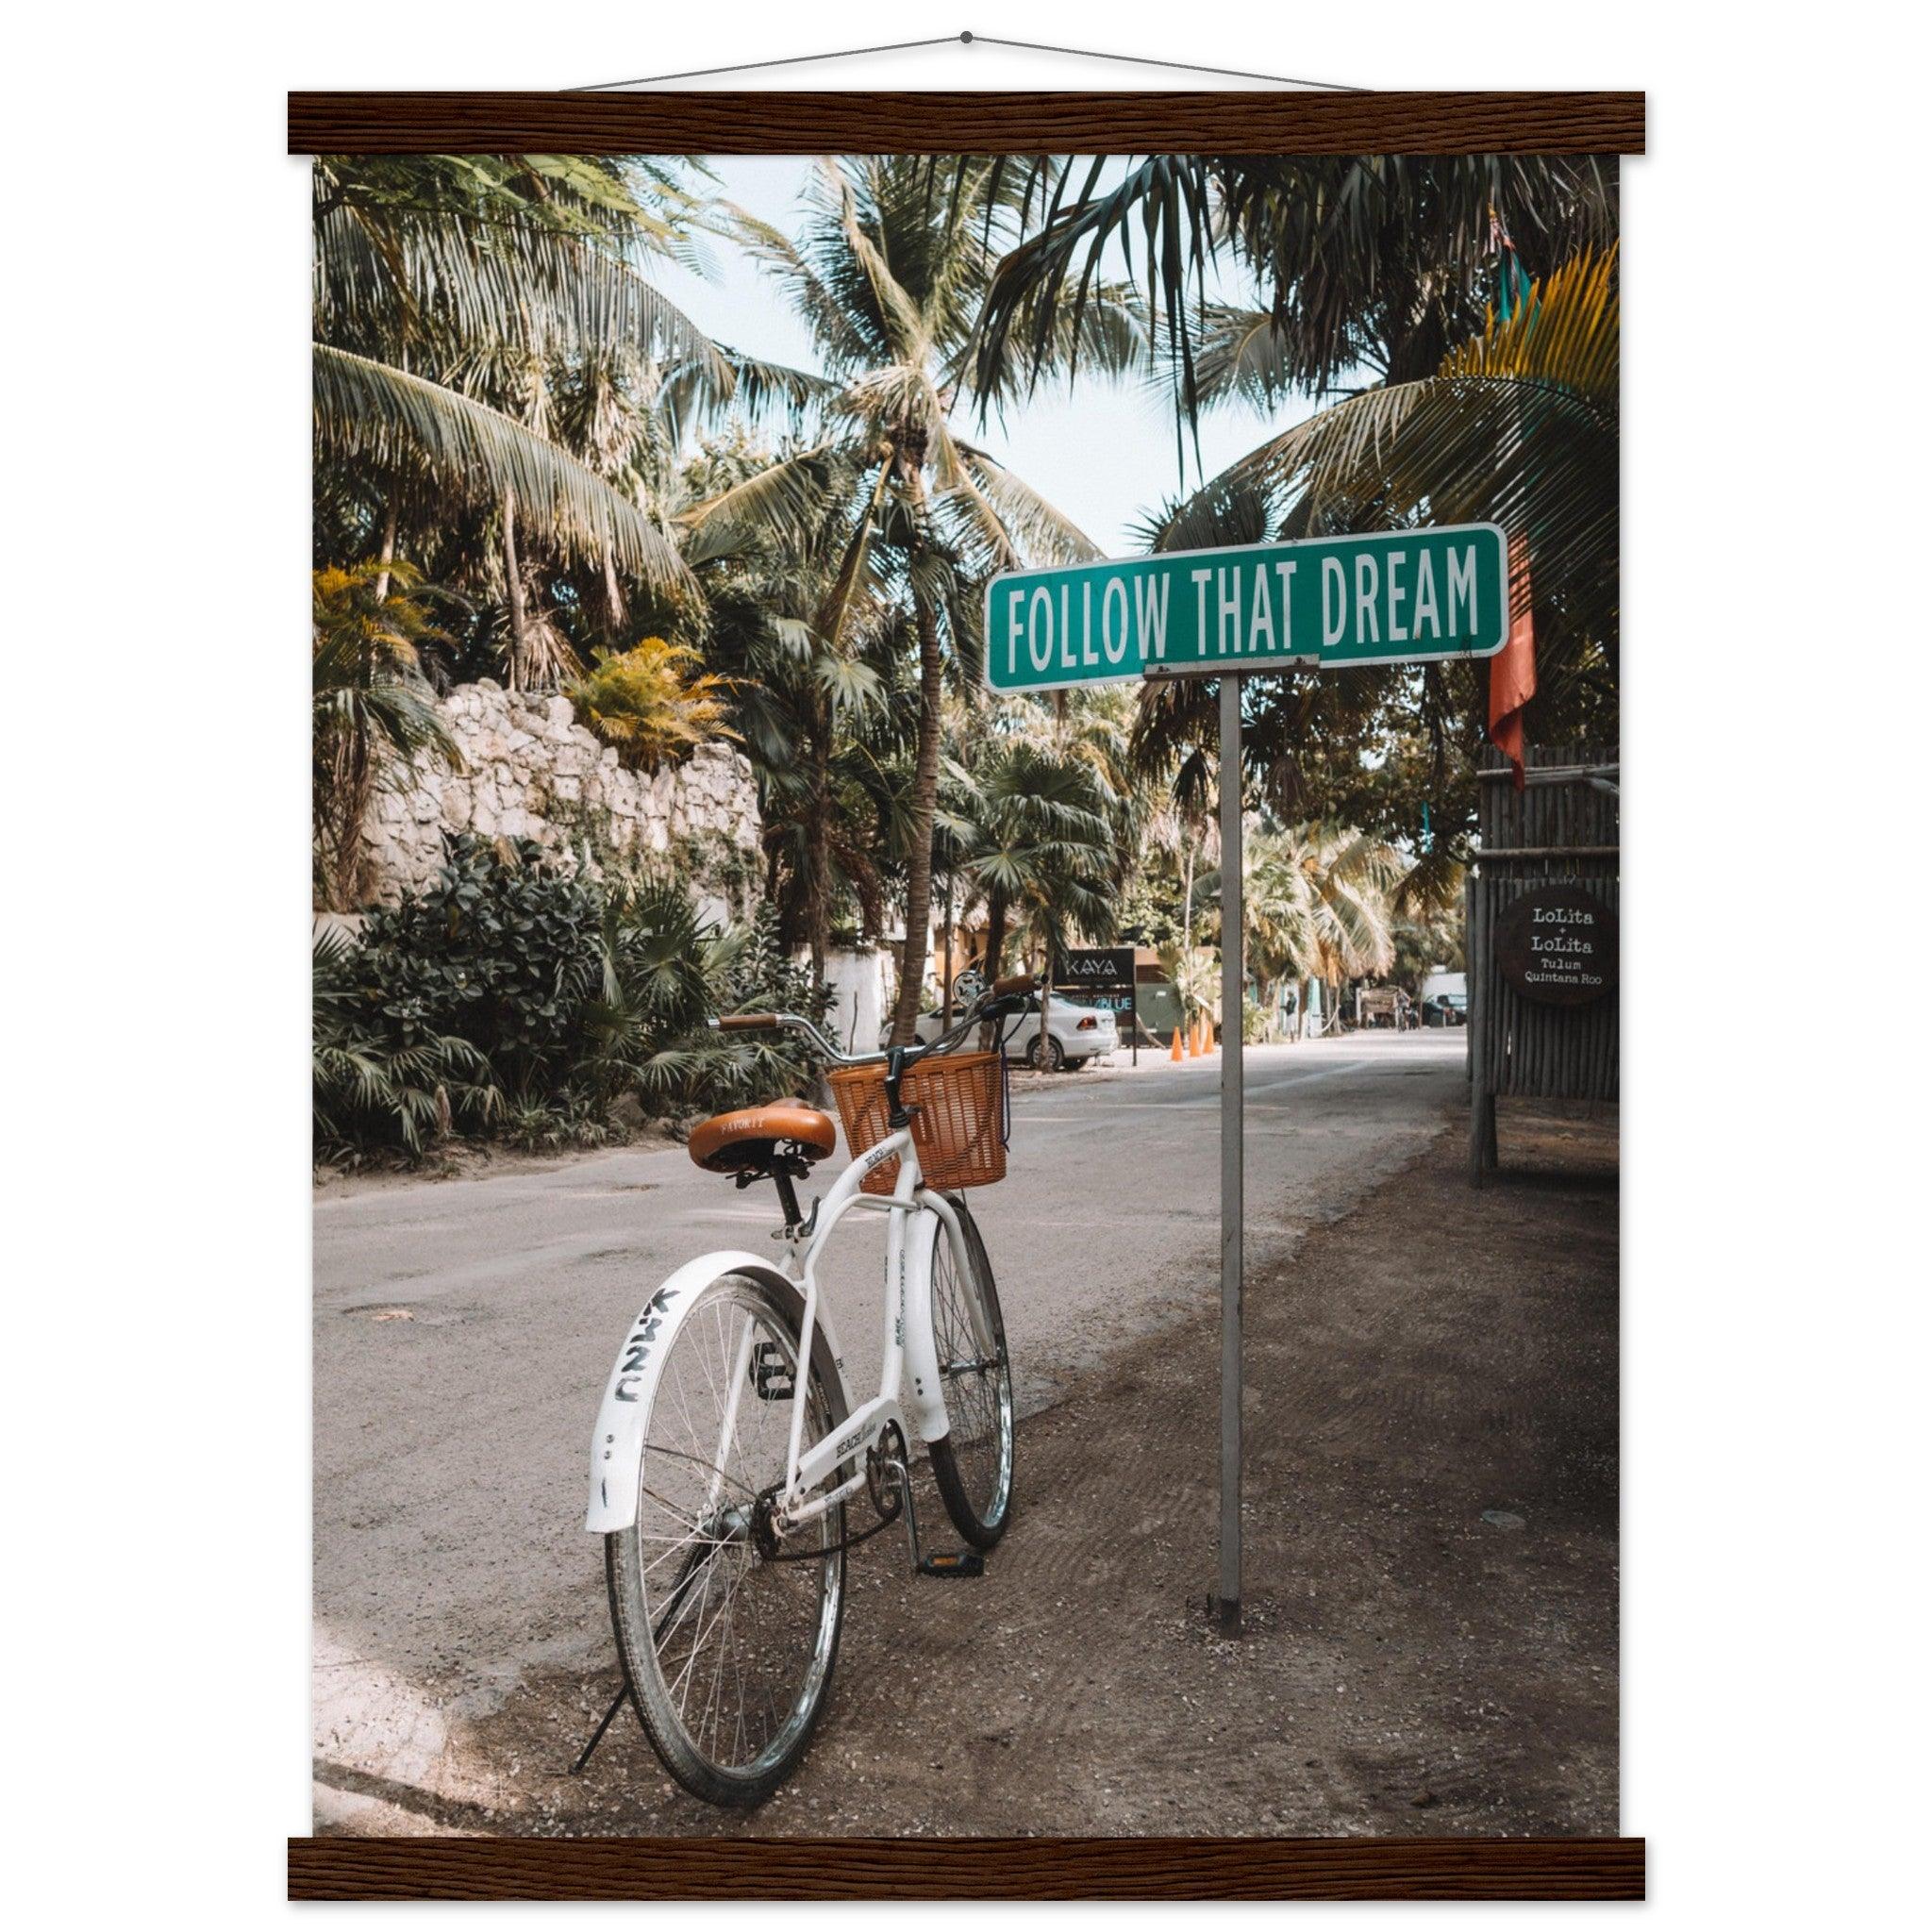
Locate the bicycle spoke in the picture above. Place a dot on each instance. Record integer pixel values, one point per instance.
(737, 1645)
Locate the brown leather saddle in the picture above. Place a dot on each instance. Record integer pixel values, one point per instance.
(750, 1140)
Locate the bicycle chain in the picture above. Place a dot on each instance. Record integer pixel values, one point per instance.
(766, 1539)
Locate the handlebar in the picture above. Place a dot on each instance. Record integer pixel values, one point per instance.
(1004, 997)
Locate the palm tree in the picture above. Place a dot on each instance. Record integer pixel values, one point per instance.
(1518, 426)
(444, 286)
(890, 275)
(372, 709)
(1375, 263)
(1320, 901)
(1035, 825)
(1516, 423)
(818, 719)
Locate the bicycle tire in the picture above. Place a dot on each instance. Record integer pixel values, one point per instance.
(977, 1488)
(798, 1633)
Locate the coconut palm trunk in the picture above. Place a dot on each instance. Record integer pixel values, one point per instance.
(352, 787)
(947, 970)
(926, 790)
(818, 891)
(387, 555)
(995, 935)
(513, 580)
(613, 597)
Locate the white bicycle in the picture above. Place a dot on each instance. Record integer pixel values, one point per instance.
(727, 1450)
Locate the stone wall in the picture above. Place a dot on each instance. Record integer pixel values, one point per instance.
(532, 772)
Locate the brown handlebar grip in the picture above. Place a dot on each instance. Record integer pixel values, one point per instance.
(1016, 982)
(745, 1023)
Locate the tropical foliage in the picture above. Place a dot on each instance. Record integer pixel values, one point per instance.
(888, 278)
(1377, 275)
(453, 294)
(378, 1083)
(517, 997)
(531, 465)
(1375, 263)
(653, 701)
(372, 716)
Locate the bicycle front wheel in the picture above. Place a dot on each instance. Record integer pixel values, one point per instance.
(972, 1464)
(727, 1650)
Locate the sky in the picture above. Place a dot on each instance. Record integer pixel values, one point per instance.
(1102, 455)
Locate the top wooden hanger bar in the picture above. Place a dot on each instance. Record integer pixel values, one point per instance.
(1303, 121)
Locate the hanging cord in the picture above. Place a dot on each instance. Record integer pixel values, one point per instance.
(967, 39)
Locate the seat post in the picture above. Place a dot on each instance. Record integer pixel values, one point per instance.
(787, 1194)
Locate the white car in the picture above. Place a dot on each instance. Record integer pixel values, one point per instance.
(1075, 1032)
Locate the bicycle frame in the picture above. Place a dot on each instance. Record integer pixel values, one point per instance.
(908, 1350)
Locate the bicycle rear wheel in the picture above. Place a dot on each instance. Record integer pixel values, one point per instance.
(972, 1464)
(728, 1653)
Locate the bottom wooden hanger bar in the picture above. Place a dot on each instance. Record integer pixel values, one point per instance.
(1255, 1868)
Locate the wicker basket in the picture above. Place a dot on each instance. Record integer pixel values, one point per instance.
(955, 1102)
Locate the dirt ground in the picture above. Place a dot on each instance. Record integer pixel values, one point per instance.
(1431, 1523)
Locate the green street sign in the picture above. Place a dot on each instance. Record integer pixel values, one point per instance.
(1393, 598)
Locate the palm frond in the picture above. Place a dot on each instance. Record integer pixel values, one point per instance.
(784, 502)
(1017, 523)
(365, 408)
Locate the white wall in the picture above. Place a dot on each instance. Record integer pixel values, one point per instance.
(859, 979)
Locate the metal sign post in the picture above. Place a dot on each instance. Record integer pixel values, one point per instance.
(1227, 1604)
(1257, 609)
(1226, 1601)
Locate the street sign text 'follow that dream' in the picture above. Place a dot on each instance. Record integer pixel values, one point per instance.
(1393, 598)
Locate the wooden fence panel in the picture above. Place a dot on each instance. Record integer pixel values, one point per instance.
(1560, 831)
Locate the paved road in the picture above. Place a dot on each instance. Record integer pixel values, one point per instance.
(463, 1330)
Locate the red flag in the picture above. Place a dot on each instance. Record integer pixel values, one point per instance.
(1512, 670)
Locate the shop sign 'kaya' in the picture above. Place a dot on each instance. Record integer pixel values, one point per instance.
(1394, 598)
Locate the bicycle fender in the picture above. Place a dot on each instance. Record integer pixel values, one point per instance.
(617, 1448)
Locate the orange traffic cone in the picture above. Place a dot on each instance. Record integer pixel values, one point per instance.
(1194, 1039)
(1174, 1052)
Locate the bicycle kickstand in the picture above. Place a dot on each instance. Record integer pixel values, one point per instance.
(603, 1723)
(942, 1562)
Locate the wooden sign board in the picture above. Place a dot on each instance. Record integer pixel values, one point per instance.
(1094, 970)
(1103, 975)
(1557, 945)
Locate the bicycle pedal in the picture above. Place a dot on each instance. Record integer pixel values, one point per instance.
(771, 1374)
(953, 1563)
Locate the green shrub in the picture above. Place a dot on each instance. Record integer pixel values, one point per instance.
(652, 997)
(748, 973)
(545, 1127)
(502, 950)
(513, 999)
(378, 1085)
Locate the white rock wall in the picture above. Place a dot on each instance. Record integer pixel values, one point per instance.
(532, 772)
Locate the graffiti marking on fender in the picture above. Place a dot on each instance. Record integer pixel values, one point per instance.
(637, 1347)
